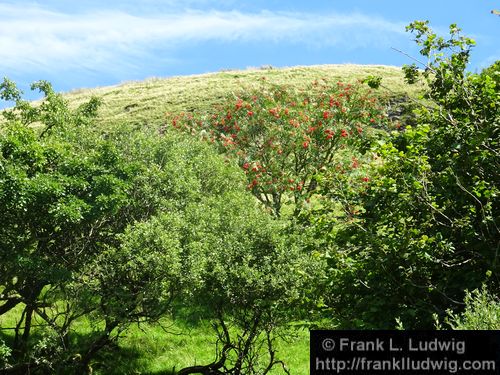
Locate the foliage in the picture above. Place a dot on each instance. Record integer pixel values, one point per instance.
(428, 219)
(482, 311)
(114, 227)
(283, 138)
(373, 81)
(493, 72)
(66, 193)
(5, 353)
(254, 282)
(53, 112)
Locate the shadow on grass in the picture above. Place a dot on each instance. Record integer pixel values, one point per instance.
(183, 340)
(113, 360)
(192, 317)
(123, 361)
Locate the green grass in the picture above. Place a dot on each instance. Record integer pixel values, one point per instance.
(163, 348)
(156, 350)
(151, 349)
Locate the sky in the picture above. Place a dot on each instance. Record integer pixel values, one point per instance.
(79, 44)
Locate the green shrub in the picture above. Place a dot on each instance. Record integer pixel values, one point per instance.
(482, 311)
(5, 354)
(428, 220)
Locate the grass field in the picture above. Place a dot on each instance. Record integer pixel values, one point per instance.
(152, 350)
(168, 346)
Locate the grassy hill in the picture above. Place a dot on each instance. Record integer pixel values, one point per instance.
(145, 102)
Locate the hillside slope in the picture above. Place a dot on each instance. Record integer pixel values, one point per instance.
(146, 102)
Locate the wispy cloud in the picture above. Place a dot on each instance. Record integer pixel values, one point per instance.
(33, 37)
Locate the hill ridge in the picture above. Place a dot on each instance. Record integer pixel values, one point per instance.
(146, 102)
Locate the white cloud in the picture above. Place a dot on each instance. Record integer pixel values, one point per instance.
(32, 37)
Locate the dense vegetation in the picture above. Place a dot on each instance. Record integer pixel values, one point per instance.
(428, 227)
(314, 206)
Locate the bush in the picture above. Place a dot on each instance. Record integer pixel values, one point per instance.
(428, 219)
(68, 190)
(482, 311)
(283, 138)
(250, 284)
(5, 353)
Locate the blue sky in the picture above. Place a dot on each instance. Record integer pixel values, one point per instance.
(91, 43)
